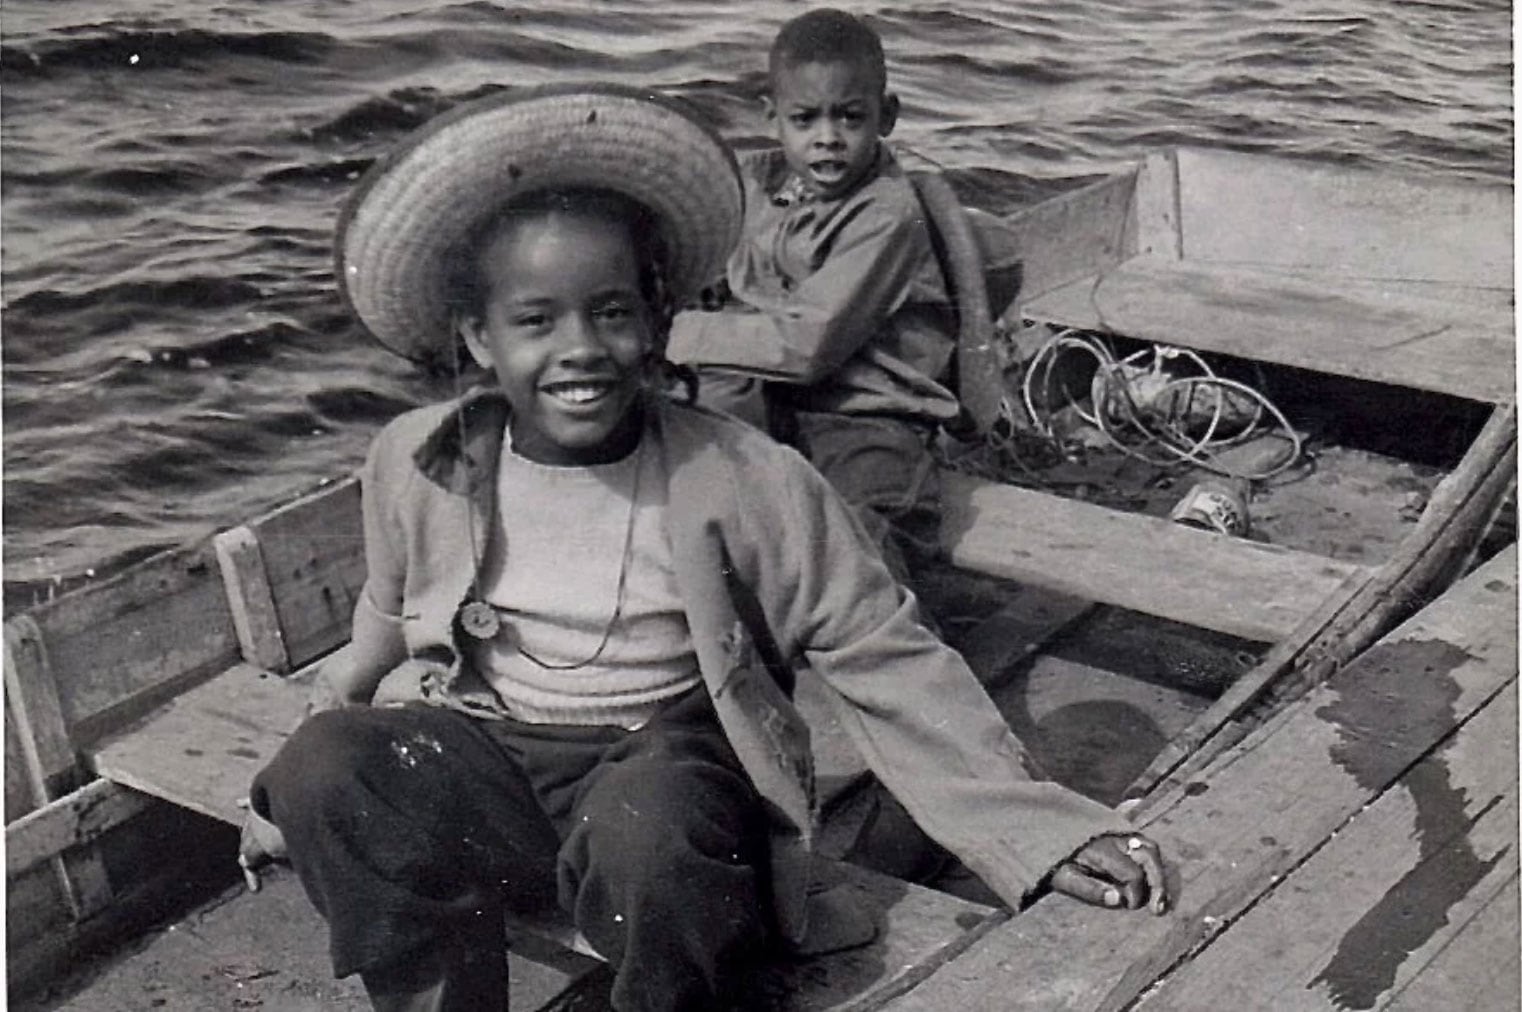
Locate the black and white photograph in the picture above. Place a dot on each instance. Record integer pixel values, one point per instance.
(636, 506)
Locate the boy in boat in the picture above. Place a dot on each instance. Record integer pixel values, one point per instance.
(839, 336)
(569, 673)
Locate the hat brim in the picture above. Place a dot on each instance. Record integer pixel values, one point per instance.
(414, 207)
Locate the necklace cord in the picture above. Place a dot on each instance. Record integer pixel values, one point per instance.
(623, 578)
(475, 548)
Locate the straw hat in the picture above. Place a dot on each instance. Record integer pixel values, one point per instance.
(412, 208)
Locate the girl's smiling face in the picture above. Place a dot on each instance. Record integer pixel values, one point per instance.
(564, 325)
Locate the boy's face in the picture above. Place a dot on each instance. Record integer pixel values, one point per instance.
(829, 117)
(566, 330)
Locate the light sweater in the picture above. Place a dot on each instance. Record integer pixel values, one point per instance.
(552, 568)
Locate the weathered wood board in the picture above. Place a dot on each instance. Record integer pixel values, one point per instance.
(161, 624)
(314, 555)
(1069, 236)
(202, 750)
(48, 757)
(1258, 812)
(75, 819)
(1448, 346)
(1339, 221)
(1365, 914)
(1244, 588)
(1479, 971)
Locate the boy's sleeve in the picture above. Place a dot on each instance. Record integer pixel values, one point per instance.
(910, 704)
(825, 319)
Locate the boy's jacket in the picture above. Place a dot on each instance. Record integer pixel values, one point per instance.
(775, 573)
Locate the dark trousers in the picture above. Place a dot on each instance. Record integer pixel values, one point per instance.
(413, 829)
(881, 465)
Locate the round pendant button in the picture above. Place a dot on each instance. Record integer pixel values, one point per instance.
(480, 620)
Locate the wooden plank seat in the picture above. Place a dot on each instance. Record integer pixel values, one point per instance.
(203, 748)
(1456, 345)
(1244, 588)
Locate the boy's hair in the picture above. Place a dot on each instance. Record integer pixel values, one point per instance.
(827, 35)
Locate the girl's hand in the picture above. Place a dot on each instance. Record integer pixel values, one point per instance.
(260, 844)
(1115, 871)
(324, 696)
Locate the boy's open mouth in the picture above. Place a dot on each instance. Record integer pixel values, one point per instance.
(828, 170)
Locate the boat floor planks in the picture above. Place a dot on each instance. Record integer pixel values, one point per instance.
(1243, 588)
(1478, 971)
(1364, 915)
(1458, 347)
(1258, 812)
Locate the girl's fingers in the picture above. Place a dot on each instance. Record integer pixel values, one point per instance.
(1131, 867)
(1136, 863)
(1146, 854)
(1071, 880)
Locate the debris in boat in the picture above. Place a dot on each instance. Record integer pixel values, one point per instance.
(1160, 404)
(1213, 506)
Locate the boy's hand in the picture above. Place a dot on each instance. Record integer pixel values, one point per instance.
(260, 844)
(1115, 871)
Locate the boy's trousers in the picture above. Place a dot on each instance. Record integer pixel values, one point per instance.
(882, 465)
(413, 828)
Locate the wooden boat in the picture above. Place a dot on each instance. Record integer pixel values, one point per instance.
(138, 708)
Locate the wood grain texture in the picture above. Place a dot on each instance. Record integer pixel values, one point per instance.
(1478, 971)
(202, 750)
(1147, 564)
(78, 817)
(125, 644)
(52, 765)
(1362, 607)
(1365, 914)
(1263, 211)
(250, 599)
(1073, 235)
(1448, 346)
(1159, 225)
(1257, 813)
(314, 557)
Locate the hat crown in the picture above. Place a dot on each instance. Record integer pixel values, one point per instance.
(415, 206)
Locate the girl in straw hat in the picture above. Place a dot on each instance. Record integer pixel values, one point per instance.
(571, 664)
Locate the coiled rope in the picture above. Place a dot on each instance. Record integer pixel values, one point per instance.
(1145, 411)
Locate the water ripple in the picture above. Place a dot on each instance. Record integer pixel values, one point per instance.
(176, 357)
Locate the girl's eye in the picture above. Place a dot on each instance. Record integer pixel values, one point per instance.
(800, 119)
(615, 312)
(530, 321)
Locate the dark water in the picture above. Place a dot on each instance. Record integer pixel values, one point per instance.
(175, 357)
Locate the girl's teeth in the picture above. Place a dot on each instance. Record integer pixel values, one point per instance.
(578, 394)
